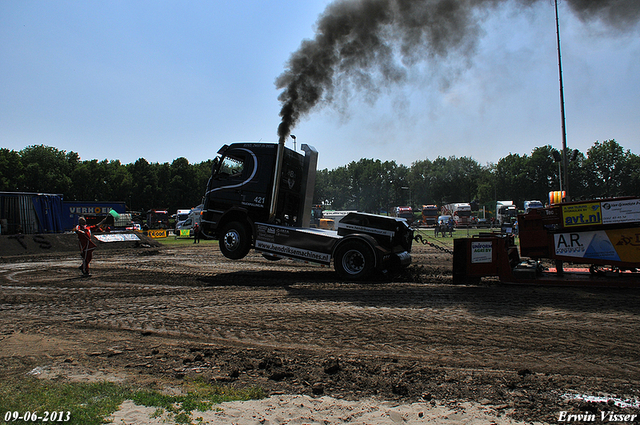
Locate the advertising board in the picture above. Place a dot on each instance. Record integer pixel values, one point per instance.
(117, 237)
(597, 213)
(625, 211)
(481, 252)
(610, 245)
(157, 233)
(587, 214)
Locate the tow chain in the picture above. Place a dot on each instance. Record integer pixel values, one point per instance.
(419, 238)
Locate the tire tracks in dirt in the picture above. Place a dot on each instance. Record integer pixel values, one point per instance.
(158, 311)
(287, 304)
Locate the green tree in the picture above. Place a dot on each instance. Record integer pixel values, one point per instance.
(631, 184)
(421, 181)
(451, 179)
(321, 195)
(181, 184)
(144, 183)
(88, 182)
(47, 169)
(511, 177)
(11, 170)
(541, 175)
(607, 164)
(339, 193)
(118, 180)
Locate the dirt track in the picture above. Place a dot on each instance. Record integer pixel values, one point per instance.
(157, 315)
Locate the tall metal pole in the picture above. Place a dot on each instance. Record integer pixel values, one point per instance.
(565, 160)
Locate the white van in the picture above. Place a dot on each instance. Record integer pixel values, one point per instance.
(182, 215)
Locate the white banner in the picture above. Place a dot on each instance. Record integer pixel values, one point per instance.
(117, 237)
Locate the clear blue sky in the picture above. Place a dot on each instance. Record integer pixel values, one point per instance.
(167, 79)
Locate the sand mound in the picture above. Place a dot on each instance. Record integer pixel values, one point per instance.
(300, 409)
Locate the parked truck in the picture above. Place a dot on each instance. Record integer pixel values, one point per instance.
(181, 215)
(460, 211)
(506, 213)
(185, 228)
(531, 205)
(430, 215)
(406, 213)
(158, 219)
(260, 196)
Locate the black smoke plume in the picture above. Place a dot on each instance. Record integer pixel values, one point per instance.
(373, 42)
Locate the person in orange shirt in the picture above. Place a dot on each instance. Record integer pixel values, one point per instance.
(86, 244)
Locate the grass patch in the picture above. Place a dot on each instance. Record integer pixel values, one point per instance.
(173, 241)
(92, 403)
(457, 234)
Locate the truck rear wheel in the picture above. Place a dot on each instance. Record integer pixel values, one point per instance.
(354, 260)
(235, 242)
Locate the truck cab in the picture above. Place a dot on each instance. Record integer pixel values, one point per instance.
(506, 213)
(260, 196)
(406, 213)
(242, 179)
(430, 215)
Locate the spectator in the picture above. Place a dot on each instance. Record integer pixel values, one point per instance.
(196, 233)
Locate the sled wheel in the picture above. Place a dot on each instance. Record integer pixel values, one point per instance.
(354, 260)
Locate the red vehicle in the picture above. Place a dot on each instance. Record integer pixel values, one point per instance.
(406, 213)
(461, 213)
(157, 219)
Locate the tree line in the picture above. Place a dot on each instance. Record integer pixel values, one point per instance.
(141, 185)
(605, 170)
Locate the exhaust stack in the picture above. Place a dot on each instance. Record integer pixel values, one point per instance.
(276, 181)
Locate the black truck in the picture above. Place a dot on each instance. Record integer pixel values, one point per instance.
(245, 207)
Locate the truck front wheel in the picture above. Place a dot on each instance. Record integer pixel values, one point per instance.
(235, 241)
(354, 260)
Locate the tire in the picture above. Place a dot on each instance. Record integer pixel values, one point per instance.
(235, 240)
(354, 260)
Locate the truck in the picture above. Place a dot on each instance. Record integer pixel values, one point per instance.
(531, 205)
(460, 211)
(430, 215)
(158, 219)
(182, 215)
(406, 213)
(259, 197)
(185, 227)
(506, 213)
